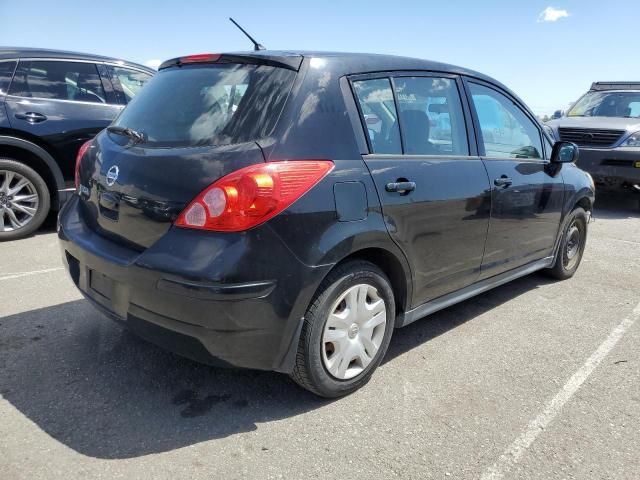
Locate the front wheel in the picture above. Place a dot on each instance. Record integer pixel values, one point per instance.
(346, 330)
(572, 244)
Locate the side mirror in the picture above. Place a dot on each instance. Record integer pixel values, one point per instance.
(564, 152)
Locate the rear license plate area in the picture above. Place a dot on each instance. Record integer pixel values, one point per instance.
(101, 284)
(110, 205)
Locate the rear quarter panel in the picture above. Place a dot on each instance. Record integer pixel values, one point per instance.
(316, 125)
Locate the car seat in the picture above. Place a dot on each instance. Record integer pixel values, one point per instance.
(416, 133)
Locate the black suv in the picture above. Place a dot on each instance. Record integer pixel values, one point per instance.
(51, 102)
(287, 211)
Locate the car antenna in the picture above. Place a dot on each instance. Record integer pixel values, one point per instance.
(256, 45)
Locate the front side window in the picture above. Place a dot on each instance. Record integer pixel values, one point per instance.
(431, 116)
(54, 80)
(380, 118)
(6, 72)
(131, 81)
(507, 132)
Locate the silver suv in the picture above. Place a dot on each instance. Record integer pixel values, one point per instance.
(605, 123)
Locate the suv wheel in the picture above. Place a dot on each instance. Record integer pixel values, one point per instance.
(346, 331)
(24, 200)
(574, 239)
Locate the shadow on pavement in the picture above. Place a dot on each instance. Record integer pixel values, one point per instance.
(104, 393)
(610, 205)
(441, 322)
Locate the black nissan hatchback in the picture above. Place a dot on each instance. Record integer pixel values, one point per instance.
(287, 211)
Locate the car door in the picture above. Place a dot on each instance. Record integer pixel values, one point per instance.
(526, 190)
(432, 186)
(61, 102)
(7, 67)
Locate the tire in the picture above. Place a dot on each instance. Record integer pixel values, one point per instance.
(567, 263)
(18, 220)
(333, 369)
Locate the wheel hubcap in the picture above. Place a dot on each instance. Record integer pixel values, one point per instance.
(573, 246)
(18, 201)
(353, 332)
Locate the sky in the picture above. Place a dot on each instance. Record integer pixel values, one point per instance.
(548, 53)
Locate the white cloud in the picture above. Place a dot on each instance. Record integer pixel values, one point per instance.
(551, 14)
(154, 63)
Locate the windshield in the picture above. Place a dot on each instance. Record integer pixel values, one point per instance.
(607, 104)
(208, 105)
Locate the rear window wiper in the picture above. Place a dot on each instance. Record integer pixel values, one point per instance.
(134, 135)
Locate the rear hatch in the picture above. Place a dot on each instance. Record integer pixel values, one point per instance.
(197, 120)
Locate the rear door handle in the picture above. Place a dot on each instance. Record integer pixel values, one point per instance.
(503, 181)
(31, 117)
(401, 187)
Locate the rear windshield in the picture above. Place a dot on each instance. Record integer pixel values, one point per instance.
(208, 105)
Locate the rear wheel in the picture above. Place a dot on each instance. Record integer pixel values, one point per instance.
(346, 331)
(24, 200)
(574, 240)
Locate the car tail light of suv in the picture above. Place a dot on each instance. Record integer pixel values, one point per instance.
(252, 195)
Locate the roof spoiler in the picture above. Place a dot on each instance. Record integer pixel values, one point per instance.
(289, 61)
(615, 86)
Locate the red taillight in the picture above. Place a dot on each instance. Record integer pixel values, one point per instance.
(83, 149)
(252, 195)
(200, 58)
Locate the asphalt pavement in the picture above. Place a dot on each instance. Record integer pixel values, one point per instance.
(536, 379)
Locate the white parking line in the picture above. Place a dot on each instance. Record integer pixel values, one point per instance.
(553, 408)
(27, 274)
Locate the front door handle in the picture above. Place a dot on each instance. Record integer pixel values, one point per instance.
(400, 187)
(31, 117)
(503, 181)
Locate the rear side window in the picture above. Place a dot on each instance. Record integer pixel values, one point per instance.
(131, 81)
(507, 132)
(381, 120)
(77, 81)
(431, 116)
(209, 104)
(6, 72)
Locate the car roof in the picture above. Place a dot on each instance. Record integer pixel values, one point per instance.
(602, 86)
(20, 52)
(366, 61)
(352, 63)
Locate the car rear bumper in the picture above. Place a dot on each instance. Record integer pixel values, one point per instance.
(617, 167)
(205, 310)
